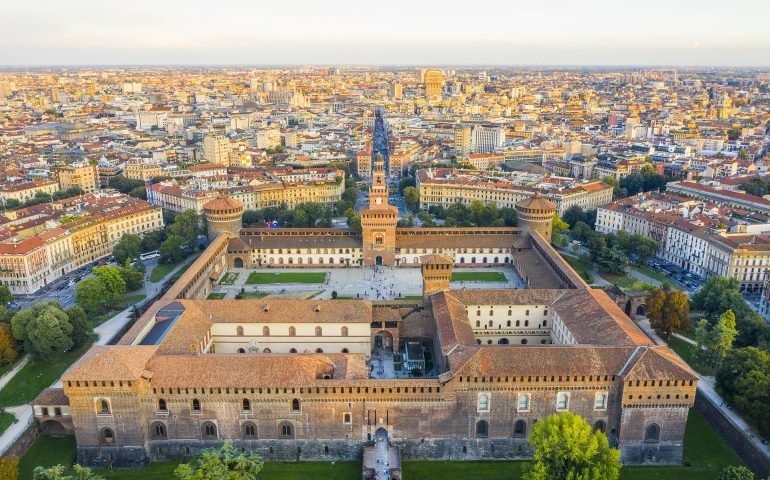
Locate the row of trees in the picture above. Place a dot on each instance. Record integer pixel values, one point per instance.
(47, 331)
(42, 197)
(644, 181)
(475, 215)
(756, 186)
(611, 251)
(96, 295)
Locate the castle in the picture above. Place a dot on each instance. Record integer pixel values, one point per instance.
(314, 379)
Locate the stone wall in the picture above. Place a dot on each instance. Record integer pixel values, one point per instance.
(25, 440)
(735, 437)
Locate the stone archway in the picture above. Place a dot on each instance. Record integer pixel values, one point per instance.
(52, 427)
(378, 260)
(641, 310)
(238, 262)
(383, 339)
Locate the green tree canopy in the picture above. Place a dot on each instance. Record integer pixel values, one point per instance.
(171, 249)
(112, 280)
(566, 449)
(44, 330)
(733, 472)
(223, 463)
(81, 327)
(187, 225)
(92, 296)
(128, 248)
(411, 198)
(668, 311)
(559, 231)
(5, 295)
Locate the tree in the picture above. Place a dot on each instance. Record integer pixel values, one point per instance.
(406, 182)
(9, 467)
(735, 473)
(565, 448)
(139, 192)
(743, 380)
(559, 231)
(595, 242)
(668, 311)
(573, 215)
(223, 463)
(611, 260)
(426, 219)
(171, 249)
(81, 327)
(5, 295)
(152, 240)
(187, 225)
(581, 231)
(124, 184)
(57, 472)
(128, 248)
(92, 296)
(44, 330)
(134, 278)
(9, 349)
(112, 281)
(411, 198)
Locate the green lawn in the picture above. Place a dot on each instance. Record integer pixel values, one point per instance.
(9, 366)
(47, 451)
(229, 278)
(687, 352)
(479, 277)
(253, 295)
(661, 277)
(116, 308)
(627, 282)
(294, 277)
(582, 267)
(410, 297)
(178, 274)
(216, 296)
(36, 376)
(160, 271)
(6, 420)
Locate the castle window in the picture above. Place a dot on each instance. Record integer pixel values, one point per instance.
(107, 436)
(208, 431)
(286, 430)
(652, 433)
(103, 407)
(266, 350)
(523, 403)
(266, 331)
(162, 405)
(526, 313)
(520, 428)
(562, 401)
(196, 405)
(545, 323)
(295, 405)
(344, 331)
(319, 350)
(292, 331)
(526, 323)
(345, 350)
(347, 418)
(518, 323)
(478, 323)
(508, 324)
(483, 402)
(158, 431)
(478, 313)
(510, 312)
(239, 331)
(292, 350)
(318, 331)
(246, 405)
(482, 429)
(249, 430)
(600, 402)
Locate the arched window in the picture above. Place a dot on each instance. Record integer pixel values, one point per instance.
(524, 341)
(478, 323)
(600, 402)
(344, 331)
(652, 433)
(249, 430)
(107, 436)
(318, 331)
(483, 404)
(292, 350)
(295, 405)
(208, 431)
(266, 331)
(158, 431)
(239, 331)
(292, 331)
(347, 419)
(600, 426)
(482, 429)
(104, 407)
(162, 405)
(196, 405)
(562, 401)
(319, 350)
(286, 430)
(266, 350)
(246, 405)
(520, 428)
(345, 350)
(523, 404)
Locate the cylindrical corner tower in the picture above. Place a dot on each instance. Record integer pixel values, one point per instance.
(223, 214)
(535, 214)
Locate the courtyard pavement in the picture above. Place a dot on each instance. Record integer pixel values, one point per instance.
(366, 283)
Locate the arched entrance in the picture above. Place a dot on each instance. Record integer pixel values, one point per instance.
(52, 427)
(383, 339)
(381, 435)
(238, 262)
(502, 341)
(641, 310)
(378, 260)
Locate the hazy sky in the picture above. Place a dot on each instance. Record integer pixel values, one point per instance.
(541, 32)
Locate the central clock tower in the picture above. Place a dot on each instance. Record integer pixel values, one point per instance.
(378, 221)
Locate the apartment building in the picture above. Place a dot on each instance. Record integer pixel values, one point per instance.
(21, 192)
(216, 149)
(83, 176)
(488, 138)
(140, 170)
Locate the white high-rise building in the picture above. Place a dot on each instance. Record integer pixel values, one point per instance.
(487, 139)
(216, 149)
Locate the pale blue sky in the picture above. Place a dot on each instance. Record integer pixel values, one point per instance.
(540, 32)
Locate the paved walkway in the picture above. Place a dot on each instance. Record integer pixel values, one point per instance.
(707, 387)
(105, 332)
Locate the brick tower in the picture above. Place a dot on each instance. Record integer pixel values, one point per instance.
(378, 221)
(436, 274)
(536, 214)
(223, 215)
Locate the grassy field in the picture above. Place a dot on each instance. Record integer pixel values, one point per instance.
(259, 278)
(116, 308)
(229, 278)
(627, 282)
(253, 295)
(46, 452)
(479, 277)
(661, 277)
(687, 352)
(216, 296)
(36, 376)
(582, 267)
(6, 420)
(160, 271)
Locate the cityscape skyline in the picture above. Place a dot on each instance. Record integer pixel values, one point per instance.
(172, 33)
